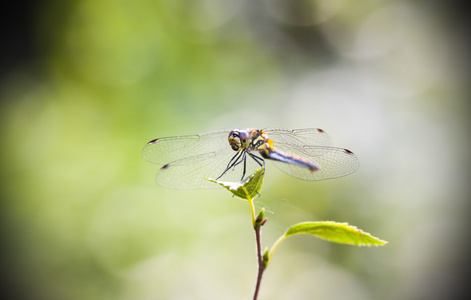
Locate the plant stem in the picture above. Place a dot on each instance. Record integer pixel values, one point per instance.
(252, 209)
(275, 245)
(261, 266)
(257, 225)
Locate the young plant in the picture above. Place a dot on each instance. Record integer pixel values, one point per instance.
(342, 233)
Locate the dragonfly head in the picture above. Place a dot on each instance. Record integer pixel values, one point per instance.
(239, 139)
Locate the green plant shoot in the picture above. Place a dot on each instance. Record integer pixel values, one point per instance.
(341, 233)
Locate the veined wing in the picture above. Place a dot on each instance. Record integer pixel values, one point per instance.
(187, 160)
(299, 137)
(170, 149)
(334, 162)
(190, 172)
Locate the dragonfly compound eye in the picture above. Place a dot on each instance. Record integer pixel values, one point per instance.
(234, 140)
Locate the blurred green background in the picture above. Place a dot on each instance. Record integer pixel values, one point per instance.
(82, 217)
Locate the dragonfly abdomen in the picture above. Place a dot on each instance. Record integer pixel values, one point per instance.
(292, 159)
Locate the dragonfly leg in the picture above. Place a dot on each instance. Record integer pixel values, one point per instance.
(230, 164)
(235, 160)
(245, 167)
(241, 160)
(259, 160)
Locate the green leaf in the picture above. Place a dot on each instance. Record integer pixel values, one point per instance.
(246, 189)
(335, 232)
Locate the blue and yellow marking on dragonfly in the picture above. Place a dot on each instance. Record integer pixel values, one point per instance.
(306, 154)
(246, 142)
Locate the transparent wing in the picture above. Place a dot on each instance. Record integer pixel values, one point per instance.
(299, 137)
(169, 149)
(190, 173)
(187, 160)
(334, 162)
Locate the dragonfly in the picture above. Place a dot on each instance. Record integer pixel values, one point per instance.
(228, 155)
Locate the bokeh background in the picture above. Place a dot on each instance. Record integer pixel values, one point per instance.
(85, 84)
